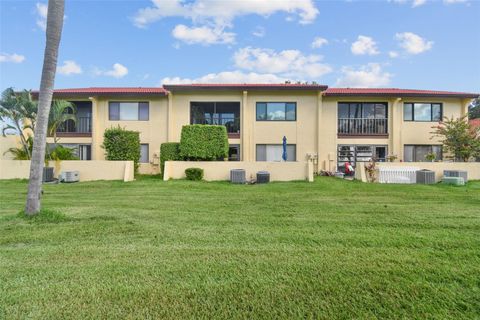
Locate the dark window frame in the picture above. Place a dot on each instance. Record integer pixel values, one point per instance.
(274, 144)
(191, 115)
(119, 107)
(423, 145)
(266, 111)
(362, 103)
(431, 111)
(148, 153)
(373, 146)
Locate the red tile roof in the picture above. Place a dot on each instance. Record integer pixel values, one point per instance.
(244, 86)
(397, 92)
(110, 91)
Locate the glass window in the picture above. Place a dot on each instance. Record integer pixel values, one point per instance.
(422, 112)
(276, 111)
(407, 112)
(355, 110)
(436, 112)
(380, 111)
(342, 110)
(427, 112)
(354, 153)
(128, 111)
(274, 152)
(234, 152)
(418, 153)
(216, 113)
(144, 157)
(368, 111)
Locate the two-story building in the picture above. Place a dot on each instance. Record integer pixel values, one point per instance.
(334, 124)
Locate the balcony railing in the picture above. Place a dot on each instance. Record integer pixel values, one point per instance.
(231, 123)
(362, 126)
(82, 125)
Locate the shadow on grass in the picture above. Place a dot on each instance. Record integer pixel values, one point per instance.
(44, 216)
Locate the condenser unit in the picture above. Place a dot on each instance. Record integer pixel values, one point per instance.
(456, 173)
(70, 176)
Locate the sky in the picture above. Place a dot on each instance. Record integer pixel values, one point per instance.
(415, 44)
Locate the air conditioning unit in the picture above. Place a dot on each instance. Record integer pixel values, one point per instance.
(456, 173)
(425, 176)
(70, 176)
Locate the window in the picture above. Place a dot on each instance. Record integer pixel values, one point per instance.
(354, 153)
(128, 111)
(276, 111)
(81, 151)
(426, 112)
(218, 113)
(144, 157)
(418, 153)
(362, 118)
(234, 152)
(274, 152)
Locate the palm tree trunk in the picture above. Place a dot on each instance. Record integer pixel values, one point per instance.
(53, 35)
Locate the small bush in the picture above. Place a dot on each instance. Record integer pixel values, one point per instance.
(63, 153)
(169, 151)
(204, 142)
(121, 144)
(194, 174)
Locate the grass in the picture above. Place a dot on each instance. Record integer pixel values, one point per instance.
(332, 249)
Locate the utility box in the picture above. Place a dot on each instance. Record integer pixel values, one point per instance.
(237, 176)
(456, 173)
(457, 181)
(425, 176)
(263, 177)
(70, 176)
(47, 174)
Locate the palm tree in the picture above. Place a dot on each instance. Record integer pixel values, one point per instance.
(53, 34)
(61, 111)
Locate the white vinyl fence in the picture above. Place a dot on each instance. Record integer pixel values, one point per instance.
(397, 174)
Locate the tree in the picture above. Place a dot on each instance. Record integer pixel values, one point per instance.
(460, 139)
(474, 110)
(53, 34)
(18, 111)
(61, 111)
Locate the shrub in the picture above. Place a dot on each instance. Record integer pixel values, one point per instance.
(62, 153)
(204, 142)
(121, 144)
(194, 174)
(169, 151)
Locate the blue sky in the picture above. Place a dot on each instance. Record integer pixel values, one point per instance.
(422, 44)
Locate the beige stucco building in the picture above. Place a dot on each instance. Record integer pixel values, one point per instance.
(333, 125)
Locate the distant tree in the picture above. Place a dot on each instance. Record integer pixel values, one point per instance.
(474, 110)
(460, 140)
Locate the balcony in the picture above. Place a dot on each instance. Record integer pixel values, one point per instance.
(81, 128)
(217, 113)
(364, 127)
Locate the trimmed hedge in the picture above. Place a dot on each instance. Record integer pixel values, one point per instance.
(194, 174)
(121, 144)
(204, 142)
(169, 151)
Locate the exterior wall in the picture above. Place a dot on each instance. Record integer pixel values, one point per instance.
(314, 132)
(473, 168)
(89, 170)
(7, 142)
(153, 131)
(220, 170)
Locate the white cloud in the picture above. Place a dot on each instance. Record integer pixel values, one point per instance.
(223, 12)
(393, 54)
(454, 1)
(318, 42)
(69, 67)
(42, 10)
(259, 32)
(370, 75)
(202, 35)
(118, 71)
(227, 77)
(364, 45)
(287, 63)
(413, 43)
(418, 3)
(15, 58)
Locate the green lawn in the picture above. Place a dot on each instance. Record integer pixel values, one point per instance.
(331, 249)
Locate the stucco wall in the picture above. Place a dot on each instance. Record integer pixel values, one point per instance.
(220, 170)
(89, 170)
(7, 142)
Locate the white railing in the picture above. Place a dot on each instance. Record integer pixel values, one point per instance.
(397, 174)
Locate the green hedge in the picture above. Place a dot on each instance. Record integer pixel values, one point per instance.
(204, 142)
(121, 144)
(169, 151)
(194, 174)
